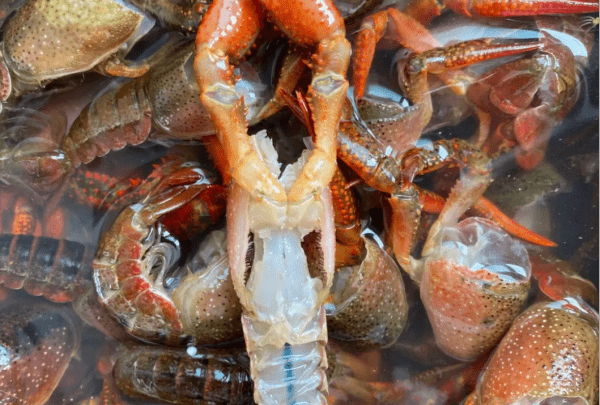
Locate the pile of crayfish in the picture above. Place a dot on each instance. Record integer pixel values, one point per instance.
(299, 202)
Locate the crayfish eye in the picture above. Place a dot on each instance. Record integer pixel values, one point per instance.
(414, 66)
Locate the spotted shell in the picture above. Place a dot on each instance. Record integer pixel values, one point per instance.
(473, 286)
(370, 305)
(47, 39)
(36, 346)
(549, 353)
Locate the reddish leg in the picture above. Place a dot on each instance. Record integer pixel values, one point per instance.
(398, 29)
(495, 8)
(308, 24)
(321, 26)
(215, 45)
(350, 246)
(362, 153)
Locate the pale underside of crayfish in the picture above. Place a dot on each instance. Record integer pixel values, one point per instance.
(284, 318)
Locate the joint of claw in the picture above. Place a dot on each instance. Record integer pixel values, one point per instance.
(223, 94)
(333, 54)
(328, 85)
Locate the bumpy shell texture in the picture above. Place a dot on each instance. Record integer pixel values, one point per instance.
(550, 352)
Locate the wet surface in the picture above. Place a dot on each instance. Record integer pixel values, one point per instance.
(558, 199)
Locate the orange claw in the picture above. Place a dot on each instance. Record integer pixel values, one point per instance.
(350, 247)
(215, 45)
(487, 209)
(310, 25)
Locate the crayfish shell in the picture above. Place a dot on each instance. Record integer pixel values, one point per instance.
(206, 301)
(174, 96)
(184, 376)
(368, 304)
(474, 285)
(138, 278)
(36, 346)
(548, 356)
(67, 43)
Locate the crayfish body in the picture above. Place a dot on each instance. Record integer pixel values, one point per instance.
(284, 317)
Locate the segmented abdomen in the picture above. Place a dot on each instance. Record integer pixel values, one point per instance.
(118, 117)
(58, 269)
(172, 375)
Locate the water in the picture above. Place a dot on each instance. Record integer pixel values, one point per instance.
(570, 218)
